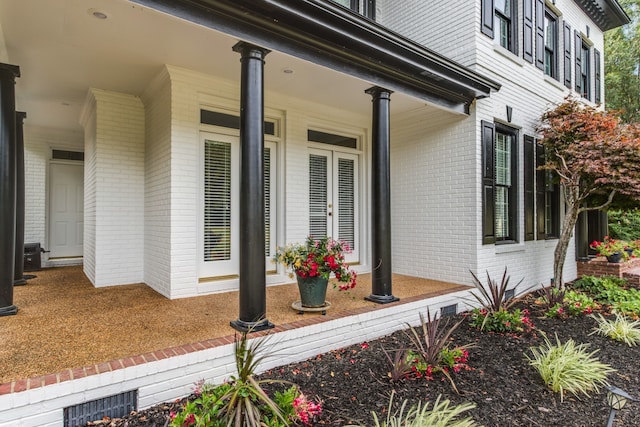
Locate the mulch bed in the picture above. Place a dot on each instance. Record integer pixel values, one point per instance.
(353, 381)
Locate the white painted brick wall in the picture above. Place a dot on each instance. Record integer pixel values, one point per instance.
(157, 180)
(424, 170)
(114, 189)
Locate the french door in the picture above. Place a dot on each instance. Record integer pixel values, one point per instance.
(221, 204)
(334, 197)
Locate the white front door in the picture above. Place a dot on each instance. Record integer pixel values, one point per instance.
(66, 210)
(333, 197)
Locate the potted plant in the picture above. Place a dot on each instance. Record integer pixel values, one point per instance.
(313, 262)
(611, 248)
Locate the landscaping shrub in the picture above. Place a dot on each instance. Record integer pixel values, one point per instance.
(569, 367)
(620, 329)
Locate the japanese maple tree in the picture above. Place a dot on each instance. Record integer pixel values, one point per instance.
(595, 157)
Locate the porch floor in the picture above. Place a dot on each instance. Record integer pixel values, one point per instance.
(63, 322)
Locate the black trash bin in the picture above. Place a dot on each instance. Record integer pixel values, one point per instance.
(32, 257)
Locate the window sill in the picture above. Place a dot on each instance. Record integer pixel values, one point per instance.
(509, 55)
(505, 248)
(554, 82)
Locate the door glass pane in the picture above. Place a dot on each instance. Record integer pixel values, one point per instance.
(317, 195)
(346, 201)
(267, 201)
(217, 201)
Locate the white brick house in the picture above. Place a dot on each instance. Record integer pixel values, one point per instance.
(154, 100)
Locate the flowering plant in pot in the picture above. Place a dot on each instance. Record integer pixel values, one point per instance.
(314, 261)
(611, 248)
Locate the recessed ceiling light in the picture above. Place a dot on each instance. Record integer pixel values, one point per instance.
(98, 14)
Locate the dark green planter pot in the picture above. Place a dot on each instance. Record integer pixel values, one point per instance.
(313, 291)
(615, 258)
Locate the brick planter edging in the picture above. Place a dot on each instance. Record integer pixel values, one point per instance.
(599, 267)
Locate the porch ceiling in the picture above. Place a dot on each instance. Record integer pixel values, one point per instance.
(63, 50)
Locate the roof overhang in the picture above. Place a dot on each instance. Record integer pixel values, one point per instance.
(607, 14)
(330, 35)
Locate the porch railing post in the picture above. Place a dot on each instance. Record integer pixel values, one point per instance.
(253, 290)
(8, 74)
(381, 287)
(18, 274)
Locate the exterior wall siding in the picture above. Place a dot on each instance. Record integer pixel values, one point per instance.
(157, 180)
(447, 27)
(434, 217)
(116, 177)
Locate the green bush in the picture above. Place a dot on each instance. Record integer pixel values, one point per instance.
(624, 225)
(611, 290)
(621, 329)
(569, 367)
(501, 321)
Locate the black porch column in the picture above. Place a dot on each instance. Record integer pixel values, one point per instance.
(8, 74)
(380, 199)
(253, 288)
(18, 272)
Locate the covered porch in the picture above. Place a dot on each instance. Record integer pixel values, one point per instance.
(73, 343)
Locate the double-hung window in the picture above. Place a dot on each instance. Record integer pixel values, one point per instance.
(505, 24)
(583, 66)
(551, 44)
(585, 74)
(506, 184)
(499, 21)
(500, 183)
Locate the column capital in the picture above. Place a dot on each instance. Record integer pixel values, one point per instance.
(9, 71)
(250, 50)
(378, 92)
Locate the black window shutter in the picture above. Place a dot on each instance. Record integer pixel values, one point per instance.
(541, 188)
(488, 183)
(527, 31)
(597, 77)
(567, 55)
(578, 39)
(487, 17)
(529, 188)
(540, 34)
